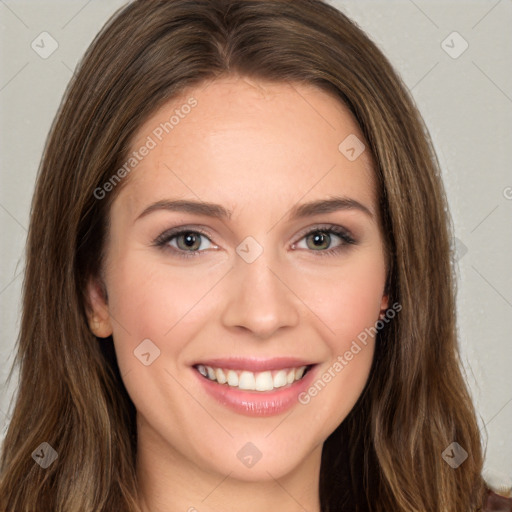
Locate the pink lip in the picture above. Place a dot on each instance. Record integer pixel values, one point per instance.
(257, 403)
(253, 364)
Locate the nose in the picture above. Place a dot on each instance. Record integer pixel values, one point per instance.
(259, 299)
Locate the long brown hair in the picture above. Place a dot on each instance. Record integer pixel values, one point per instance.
(387, 454)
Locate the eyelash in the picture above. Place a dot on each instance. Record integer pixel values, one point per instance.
(162, 240)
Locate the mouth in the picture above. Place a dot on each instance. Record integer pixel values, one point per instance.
(246, 380)
(253, 386)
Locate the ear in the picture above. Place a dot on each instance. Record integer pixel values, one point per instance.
(97, 311)
(384, 304)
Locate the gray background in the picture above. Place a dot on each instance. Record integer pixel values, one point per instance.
(466, 102)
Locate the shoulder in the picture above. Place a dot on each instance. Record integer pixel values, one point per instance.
(496, 503)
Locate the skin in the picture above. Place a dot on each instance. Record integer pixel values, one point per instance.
(259, 149)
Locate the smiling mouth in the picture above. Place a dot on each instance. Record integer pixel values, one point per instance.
(253, 381)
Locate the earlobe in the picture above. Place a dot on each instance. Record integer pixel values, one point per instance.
(384, 304)
(97, 311)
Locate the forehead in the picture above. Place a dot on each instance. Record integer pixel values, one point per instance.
(240, 142)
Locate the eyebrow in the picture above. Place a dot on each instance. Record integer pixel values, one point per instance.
(297, 212)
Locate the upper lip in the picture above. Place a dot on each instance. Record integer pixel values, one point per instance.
(254, 364)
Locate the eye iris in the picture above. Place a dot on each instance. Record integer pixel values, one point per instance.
(319, 237)
(191, 239)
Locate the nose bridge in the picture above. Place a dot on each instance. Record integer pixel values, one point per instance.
(258, 298)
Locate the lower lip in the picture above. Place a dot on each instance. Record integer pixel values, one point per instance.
(257, 403)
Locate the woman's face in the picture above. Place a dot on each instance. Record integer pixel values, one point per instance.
(220, 261)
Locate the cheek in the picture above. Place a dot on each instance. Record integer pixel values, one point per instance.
(346, 299)
(347, 302)
(146, 301)
(165, 303)
(152, 297)
(349, 307)
(159, 303)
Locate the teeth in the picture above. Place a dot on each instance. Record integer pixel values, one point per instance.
(247, 381)
(264, 382)
(299, 372)
(221, 377)
(261, 381)
(232, 378)
(280, 379)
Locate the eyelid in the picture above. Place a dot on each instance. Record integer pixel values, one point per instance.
(344, 234)
(167, 234)
(336, 228)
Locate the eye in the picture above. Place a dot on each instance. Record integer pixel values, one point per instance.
(185, 242)
(320, 239)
